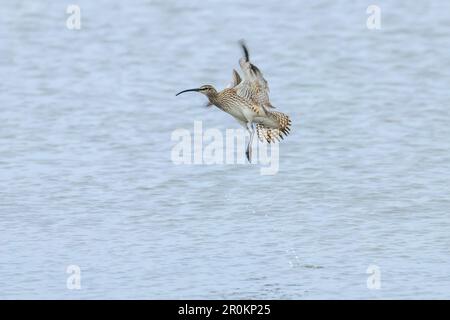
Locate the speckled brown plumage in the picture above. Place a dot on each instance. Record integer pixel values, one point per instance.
(273, 134)
(247, 100)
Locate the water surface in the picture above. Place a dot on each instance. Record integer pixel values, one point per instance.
(86, 176)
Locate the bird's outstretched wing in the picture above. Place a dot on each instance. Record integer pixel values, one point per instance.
(236, 79)
(234, 82)
(253, 86)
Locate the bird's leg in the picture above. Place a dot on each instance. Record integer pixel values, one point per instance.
(248, 152)
(248, 126)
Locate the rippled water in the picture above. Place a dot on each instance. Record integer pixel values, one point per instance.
(87, 179)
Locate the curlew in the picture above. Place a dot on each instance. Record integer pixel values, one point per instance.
(247, 100)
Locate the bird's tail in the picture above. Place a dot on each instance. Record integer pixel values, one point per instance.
(270, 134)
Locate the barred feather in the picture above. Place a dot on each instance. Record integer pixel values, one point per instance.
(269, 134)
(253, 87)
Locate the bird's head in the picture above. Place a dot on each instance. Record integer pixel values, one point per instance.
(207, 90)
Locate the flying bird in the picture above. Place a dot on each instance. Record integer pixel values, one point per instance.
(246, 99)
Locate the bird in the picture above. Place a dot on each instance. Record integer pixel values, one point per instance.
(246, 99)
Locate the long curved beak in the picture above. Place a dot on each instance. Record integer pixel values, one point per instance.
(196, 90)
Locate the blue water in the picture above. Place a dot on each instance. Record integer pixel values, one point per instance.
(87, 179)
